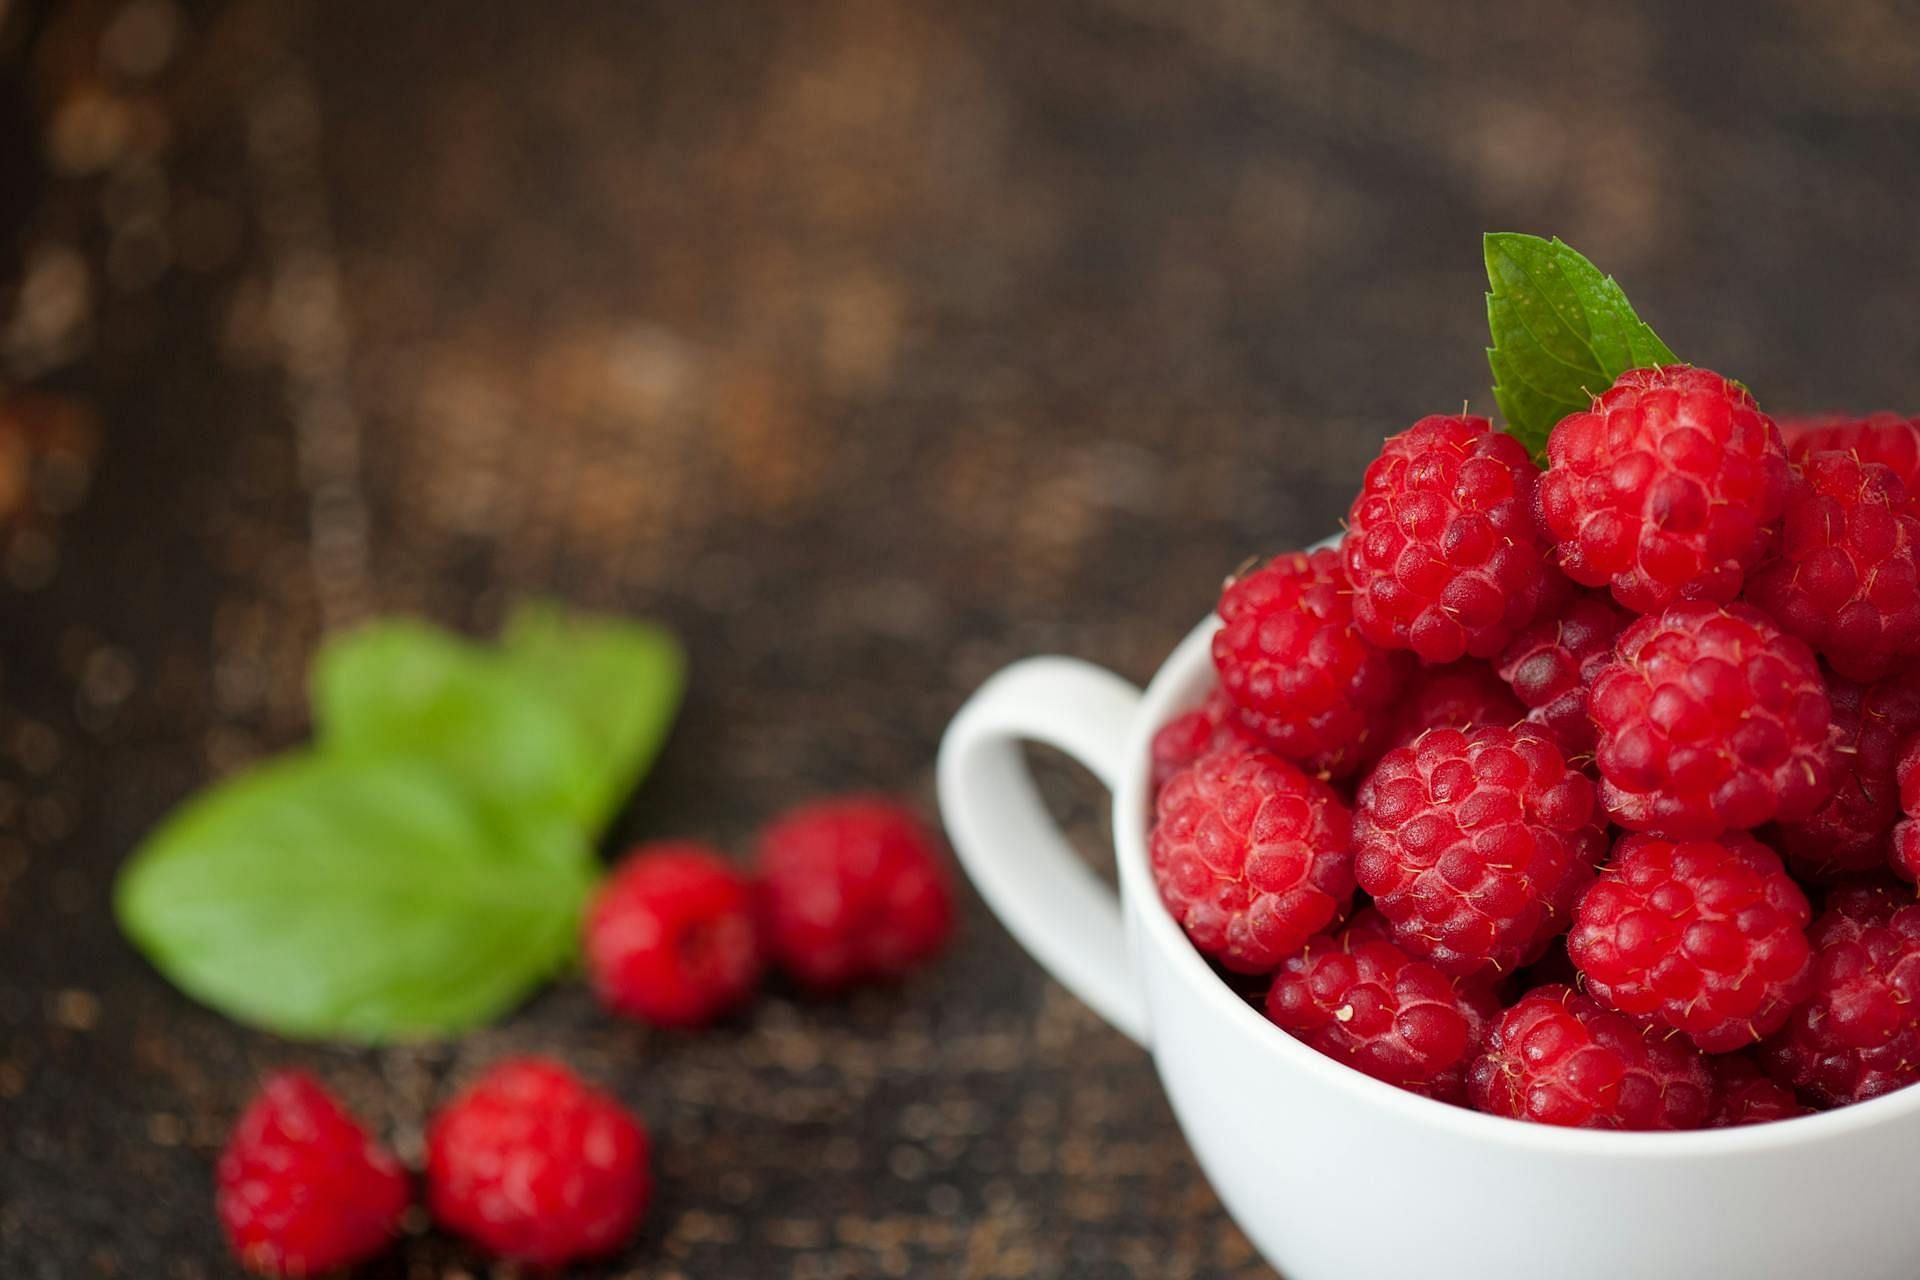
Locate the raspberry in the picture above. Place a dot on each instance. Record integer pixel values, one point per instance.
(1710, 718)
(1554, 967)
(1906, 833)
(1885, 438)
(1668, 488)
(1742, 1094)
(1551, 666)
(853, 890)
(1556, 1057)
(670, 937)
(1215, 726)
(1363, 1001)
(1845, 575)
(1849, 832)
(1252, 857)
(1708, 937)
(1475, 845)
(533, 1165)
(1367, 923)
(1288, 654)
(1463, 695)
(301, 1188)
(1441, 546)
(1859, 1036)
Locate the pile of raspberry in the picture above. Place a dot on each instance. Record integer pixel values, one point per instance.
(531, 1163)
(1585, 794)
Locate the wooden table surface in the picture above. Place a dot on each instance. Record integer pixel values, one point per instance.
(870, 346)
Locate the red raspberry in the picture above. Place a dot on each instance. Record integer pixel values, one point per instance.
(1667, 489)
(1710, 718)
(1290, 657)
(1556, 1057)
(670, 937)
(1906, 833)
(1859, 1036)
(301, 1187)
(1848, 833)
(534, 1165)
(1845, 574)
(1708, 937)
(1215, 726)
(1551, 666)
(1475, 845)
(1885, 438)
(853, 890)
(1367, 923)
(1461, 695)
(1554, 967)
(1441, 546)
(1252, 857)
(1362, 1000)
(1742, 1094)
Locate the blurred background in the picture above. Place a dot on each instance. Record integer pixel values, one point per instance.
(870, 346)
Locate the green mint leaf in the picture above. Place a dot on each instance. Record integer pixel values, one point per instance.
(621, 681)
(355, 898)
(401, 688)
(1562, 332)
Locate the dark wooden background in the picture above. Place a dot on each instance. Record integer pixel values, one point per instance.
(869, 345)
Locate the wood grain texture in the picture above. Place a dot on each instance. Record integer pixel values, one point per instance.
(870, 346)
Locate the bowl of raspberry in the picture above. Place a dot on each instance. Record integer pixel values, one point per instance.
(1522, 882)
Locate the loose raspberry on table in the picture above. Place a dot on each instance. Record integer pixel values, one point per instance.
(1708, 937)
(1850, 831)
(1905, 854)
(1552, 664)
(853, 890)
(1859, 1035)
(1251, 856)
(301, 1188)
(534, 1165)
(1556, 1057)
(1475, 845)
(1885, 438)
(1215, 725)
(1360, 999)
(1845, 573)
(671, 937)
(1461, 695)
(1668, 488)
(1441, 545)
(1710, 719)
(1743, 1094)
(1290, 657)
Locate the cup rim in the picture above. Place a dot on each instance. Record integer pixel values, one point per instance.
(1181, 683)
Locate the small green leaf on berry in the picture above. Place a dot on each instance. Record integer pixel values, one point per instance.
(1562, 332)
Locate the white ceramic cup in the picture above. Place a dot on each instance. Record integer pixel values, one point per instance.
(1336, 1176)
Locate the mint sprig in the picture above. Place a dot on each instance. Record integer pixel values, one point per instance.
(1562, 332)
(361, 898)
(422, 868)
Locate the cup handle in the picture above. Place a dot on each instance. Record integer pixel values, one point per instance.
(1051, 901)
